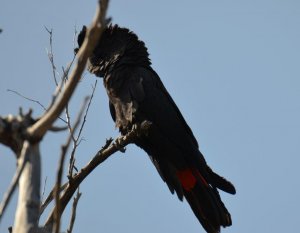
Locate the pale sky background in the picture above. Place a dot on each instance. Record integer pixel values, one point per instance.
(231, 66)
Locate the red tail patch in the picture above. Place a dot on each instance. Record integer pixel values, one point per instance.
(188, 180)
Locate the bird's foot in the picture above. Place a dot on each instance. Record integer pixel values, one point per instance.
(141, 129)
(119, 144)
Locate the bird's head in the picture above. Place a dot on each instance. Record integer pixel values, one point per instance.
(116, 46)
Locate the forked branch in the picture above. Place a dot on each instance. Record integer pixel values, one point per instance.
(104, 153)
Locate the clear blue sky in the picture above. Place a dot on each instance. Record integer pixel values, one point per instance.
(233, 69)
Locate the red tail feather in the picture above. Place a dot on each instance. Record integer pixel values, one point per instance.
(187, 179)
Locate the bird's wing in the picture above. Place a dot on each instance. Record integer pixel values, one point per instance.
(156, 104)
(151, 101)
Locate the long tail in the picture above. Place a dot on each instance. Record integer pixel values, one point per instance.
(204, 198)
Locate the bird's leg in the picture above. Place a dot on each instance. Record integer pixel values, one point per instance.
(140, 129)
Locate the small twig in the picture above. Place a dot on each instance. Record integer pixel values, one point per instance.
(50, 197)
(13, 185)
(27, 98)
(76, 141)
(87, 110)
(64, 150)
(51, 56)
(69, 122)
(74, 207)
(67, 70)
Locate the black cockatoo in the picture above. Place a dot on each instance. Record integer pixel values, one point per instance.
(136, 94)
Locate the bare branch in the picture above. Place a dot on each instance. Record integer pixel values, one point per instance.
(64, 149)
(50, 55)
(99, 158)
(13, 185)
(74, 207)
(93, 34)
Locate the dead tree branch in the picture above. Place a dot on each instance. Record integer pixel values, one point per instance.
(27, 142)
(109, 149)
(73, 215)
(27, 214)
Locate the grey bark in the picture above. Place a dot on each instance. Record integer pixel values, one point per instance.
(27, 214)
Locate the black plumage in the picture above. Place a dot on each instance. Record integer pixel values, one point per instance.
(136, 93)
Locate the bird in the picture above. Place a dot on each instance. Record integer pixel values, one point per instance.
(137, 94)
